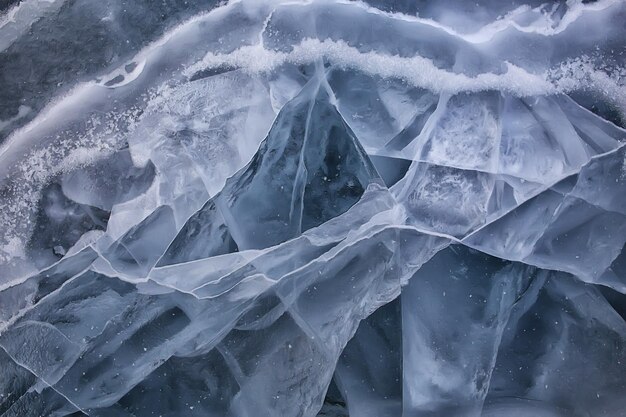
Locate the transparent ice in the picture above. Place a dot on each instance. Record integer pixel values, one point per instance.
(301, 209)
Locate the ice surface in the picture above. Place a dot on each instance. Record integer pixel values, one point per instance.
(302, 209)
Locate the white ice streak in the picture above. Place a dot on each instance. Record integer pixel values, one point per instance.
(541, 20)
(417, 71)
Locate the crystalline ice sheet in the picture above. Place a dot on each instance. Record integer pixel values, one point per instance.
(328, 208)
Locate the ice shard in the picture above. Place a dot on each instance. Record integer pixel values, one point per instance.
(264, 208)
(310, 169)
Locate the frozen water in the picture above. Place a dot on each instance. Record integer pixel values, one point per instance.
(301, 209)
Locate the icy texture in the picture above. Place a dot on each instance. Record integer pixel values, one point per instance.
(302, 209)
